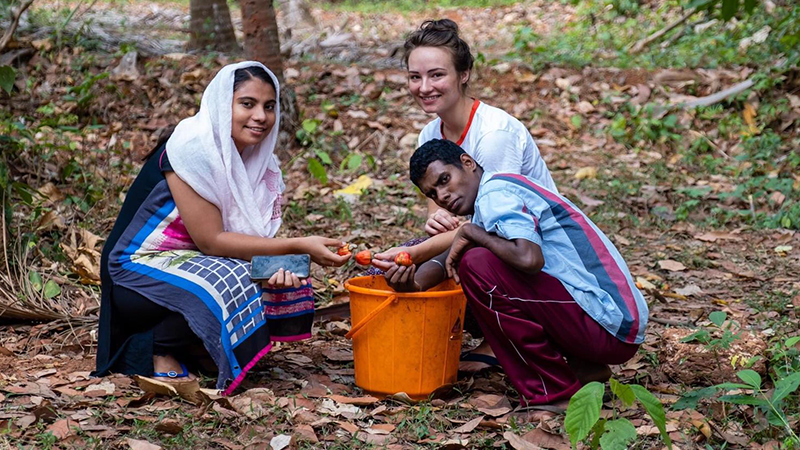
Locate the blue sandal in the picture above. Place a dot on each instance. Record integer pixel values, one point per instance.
(173, 374)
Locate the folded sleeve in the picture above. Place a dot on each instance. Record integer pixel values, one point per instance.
(506, 215)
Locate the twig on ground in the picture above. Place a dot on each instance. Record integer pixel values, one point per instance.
(674, 323)
(709, 100)
(14, 24)
(641, 44)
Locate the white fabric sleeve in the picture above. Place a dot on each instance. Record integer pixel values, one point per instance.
(499, 151)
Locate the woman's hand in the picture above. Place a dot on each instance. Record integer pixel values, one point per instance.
(385, 260)
(461, 244)
(284, 279)
(440, 221)
(317, 247)
(401, 278)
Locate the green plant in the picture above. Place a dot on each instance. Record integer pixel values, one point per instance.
(772, 403)
(727, 333)
(7, 77)
(319, 148)
(583, 415)
(83, 94)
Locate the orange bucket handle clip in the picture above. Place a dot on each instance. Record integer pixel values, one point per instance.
(357, 327)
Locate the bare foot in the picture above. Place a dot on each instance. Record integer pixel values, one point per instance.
(168, 364)
(477, 366)
(587, 371)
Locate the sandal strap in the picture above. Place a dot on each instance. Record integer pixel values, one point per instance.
(172, 373)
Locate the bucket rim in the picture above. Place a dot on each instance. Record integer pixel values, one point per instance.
(427, 294)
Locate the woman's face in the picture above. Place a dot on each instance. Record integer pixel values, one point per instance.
(253, 113)
(433, 80)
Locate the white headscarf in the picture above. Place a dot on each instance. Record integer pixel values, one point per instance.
(246, 189)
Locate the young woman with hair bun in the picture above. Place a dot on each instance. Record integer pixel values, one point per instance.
(440, 65)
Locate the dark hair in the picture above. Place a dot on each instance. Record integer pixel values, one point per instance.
(239, 77)
(442, 150)
(250, 72)
(440, 33)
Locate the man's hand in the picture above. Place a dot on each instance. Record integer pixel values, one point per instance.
(440, 221)
(462, 242)
(401, 278)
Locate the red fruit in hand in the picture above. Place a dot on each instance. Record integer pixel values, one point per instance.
(364, 257)
(344, 250)
(403, 259)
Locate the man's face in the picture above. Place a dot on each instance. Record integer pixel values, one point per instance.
(451, 187)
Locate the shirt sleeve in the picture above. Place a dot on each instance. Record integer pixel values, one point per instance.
(506, 215)
(499, 152)
(163, 161)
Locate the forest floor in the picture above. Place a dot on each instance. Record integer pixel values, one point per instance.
(697, 200)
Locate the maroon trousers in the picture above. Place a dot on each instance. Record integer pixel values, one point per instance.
(533, 324)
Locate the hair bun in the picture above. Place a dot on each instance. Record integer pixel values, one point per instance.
(446, 25)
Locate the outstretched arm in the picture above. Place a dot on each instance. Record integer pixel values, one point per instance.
(203, 221)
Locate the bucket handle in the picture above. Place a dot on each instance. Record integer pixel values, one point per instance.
(357, 327)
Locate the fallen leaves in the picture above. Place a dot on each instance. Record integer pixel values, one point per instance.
(671, 265)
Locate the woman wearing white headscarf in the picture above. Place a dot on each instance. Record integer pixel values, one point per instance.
(175, 268)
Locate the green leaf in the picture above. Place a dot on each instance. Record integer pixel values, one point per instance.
(583, 411)
(36, 280)
(7, 77)
(310, 125)
(785, 386)
(692, 398)
(618, 434)
(576, 121)
(316, 169)
(743, 399)
(732, 386)
(597, 432)
(729, 9)
(623, 392)
(718, 318)
(654, 409)
(353, 161)
(791, 342)
(750, 377)
(51, 289)
(324, 157)
(749, 6)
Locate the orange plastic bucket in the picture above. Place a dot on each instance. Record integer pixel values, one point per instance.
(405, 342)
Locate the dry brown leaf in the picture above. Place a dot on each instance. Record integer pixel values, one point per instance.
(518, 443)
(349, 427)
(305, 433)
(63, 428)
(672, 266)
(469, 426)
(138, 444)
(186, 390)
(544, 439)
(493, 405)
(749, 115)
(358, 401)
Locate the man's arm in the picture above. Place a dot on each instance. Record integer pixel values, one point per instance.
(520, 254)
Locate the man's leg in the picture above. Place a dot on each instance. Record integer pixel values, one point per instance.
(532, 323)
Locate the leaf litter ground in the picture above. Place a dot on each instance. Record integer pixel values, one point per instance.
(303, 395)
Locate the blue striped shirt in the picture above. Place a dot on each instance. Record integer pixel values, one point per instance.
(575, 251)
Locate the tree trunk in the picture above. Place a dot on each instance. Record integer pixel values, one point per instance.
(211, 26)
(261, 41)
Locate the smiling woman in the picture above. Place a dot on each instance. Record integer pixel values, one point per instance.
(175, 270)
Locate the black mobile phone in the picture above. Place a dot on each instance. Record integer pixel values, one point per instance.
(263, 267)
